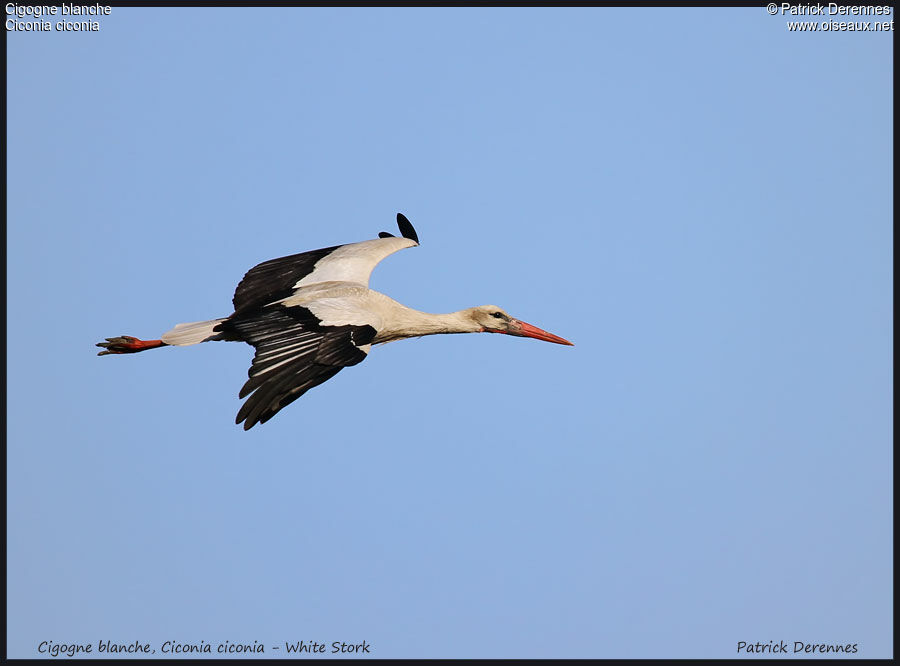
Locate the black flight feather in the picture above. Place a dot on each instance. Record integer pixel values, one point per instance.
(406, 228)
(384, 234)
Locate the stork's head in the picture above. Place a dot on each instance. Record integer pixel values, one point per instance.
(492, 319)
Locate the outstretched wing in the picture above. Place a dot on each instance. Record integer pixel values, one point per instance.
(275, 279)
(294, 353)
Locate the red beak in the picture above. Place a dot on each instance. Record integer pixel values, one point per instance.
(524, 330)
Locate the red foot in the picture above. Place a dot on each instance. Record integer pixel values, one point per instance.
(125, 344)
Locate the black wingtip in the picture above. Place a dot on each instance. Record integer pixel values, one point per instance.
(406, 228)
(384, 234)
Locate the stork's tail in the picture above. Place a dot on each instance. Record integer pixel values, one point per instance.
(193, 332)
(125, 344)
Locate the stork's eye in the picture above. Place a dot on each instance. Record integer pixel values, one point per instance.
(498, 315)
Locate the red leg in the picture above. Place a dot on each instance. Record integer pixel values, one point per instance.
(125, 344)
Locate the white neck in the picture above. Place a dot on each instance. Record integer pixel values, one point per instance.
(408, 323)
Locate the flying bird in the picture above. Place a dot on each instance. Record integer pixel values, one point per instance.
(311, 314)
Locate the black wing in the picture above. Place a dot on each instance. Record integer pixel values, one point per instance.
(275, 279)
(294, 353)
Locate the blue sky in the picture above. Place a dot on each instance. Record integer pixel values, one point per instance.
(700, 200)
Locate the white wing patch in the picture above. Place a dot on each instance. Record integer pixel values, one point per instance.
(354, 262)
(342, 312)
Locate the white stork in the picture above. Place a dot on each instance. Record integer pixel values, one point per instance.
(310, 314)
